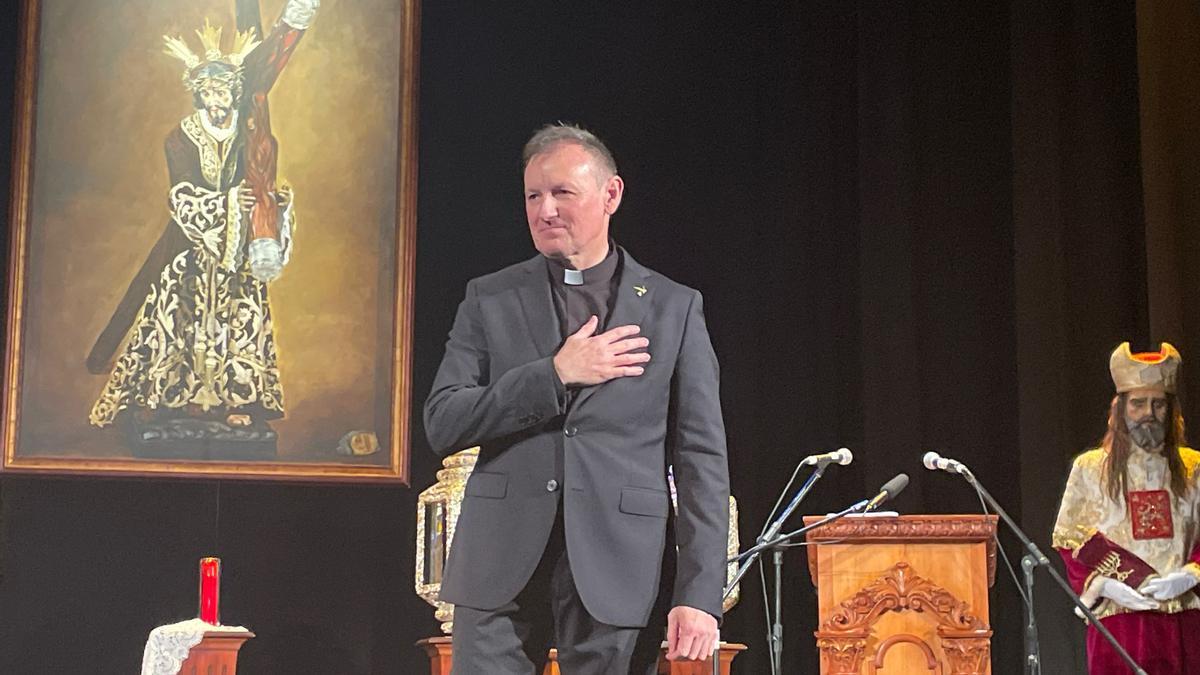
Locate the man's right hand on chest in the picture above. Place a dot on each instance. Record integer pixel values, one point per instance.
(587, 359)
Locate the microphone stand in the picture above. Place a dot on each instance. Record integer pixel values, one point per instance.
(776, 544)
(775, 636)
(1029, 564)
(774, 528)
(1033, 651)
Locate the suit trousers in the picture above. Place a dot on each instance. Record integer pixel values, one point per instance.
(515, 638)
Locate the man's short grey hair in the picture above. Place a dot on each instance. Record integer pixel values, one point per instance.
(547, 137)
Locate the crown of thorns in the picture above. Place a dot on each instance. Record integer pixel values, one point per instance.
(196, 72)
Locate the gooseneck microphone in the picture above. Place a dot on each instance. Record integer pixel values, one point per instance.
(935, 462)
(889, 490)
(841, 456)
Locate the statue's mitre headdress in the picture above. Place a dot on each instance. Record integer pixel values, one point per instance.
(195, 71)
(1146, 370)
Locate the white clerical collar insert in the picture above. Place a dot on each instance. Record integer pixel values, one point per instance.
(572, 277)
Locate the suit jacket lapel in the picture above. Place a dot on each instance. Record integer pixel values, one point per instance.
(538, 307)
(633, 296)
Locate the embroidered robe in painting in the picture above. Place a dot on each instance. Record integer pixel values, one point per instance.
(195, 324)
(203, 337)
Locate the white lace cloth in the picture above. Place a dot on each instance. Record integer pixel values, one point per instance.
(168, 646)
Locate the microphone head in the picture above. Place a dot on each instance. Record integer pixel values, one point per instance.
(844, 456)
(930, 460)
(895, 486)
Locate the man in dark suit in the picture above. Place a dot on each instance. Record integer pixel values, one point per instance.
(567, 535)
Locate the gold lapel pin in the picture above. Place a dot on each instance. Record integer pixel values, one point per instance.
(641, 290)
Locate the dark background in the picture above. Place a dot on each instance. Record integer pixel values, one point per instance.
(918, 225)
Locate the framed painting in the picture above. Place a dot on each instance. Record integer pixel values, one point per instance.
(211, 239)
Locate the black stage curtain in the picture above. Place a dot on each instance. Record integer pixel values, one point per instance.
(918, 225)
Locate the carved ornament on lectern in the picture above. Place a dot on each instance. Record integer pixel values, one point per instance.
(964, 638)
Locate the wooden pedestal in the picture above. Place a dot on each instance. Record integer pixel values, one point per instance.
(904, 594)
(216, 654)
(439, 652)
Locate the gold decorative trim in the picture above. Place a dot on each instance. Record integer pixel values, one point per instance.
(231, 257)
(19, 206)
(1192, 569)
(212, 153)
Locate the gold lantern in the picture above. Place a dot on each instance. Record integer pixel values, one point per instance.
(437, 512)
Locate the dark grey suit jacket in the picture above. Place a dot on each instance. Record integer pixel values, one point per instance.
(497, 388)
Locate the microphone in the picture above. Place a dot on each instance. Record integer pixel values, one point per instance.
(935, 462)
(841, 456)
(889, 490)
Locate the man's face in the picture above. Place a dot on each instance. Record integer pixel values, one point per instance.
(568, 202)
(217, 99)
(1146, 416)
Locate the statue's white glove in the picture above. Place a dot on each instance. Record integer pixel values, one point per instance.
(1124, 595)
(1170, 586)
(299, 13)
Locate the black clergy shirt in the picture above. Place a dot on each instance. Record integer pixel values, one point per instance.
(591, 293)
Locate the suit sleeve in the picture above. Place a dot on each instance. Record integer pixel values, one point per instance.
(701, 469)
(465, 408)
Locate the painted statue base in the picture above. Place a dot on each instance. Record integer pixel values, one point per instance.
(201, 439)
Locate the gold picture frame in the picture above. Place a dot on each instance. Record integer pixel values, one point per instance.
(215, 368)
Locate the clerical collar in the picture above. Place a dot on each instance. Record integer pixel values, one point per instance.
(600, 273)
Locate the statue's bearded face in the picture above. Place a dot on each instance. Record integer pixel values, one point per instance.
(217, 100)
(1146, 417)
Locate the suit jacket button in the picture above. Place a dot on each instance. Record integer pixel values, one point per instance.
(570, 432)
(551, 485)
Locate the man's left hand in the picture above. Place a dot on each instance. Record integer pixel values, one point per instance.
(691, 634)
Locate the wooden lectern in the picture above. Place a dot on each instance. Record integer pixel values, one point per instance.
(904, 594)
(216, 654)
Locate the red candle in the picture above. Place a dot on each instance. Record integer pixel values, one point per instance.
(210, 590)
